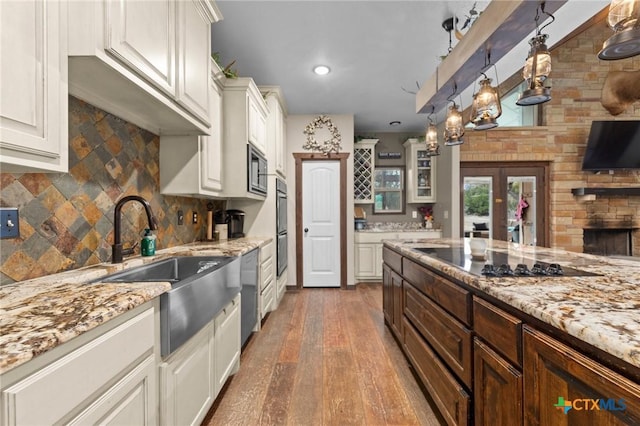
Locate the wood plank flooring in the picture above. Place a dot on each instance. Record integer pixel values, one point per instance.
(324, 357)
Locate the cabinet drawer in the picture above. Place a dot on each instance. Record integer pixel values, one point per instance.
(393, 259)
(450, 397)
(266, 251)
(266, 274)
(267, 298)
(447, 336)
(499, 329)
(449, 296)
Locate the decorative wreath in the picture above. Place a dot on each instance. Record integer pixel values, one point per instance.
(328, 146)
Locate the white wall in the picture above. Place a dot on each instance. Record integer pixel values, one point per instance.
(294, 140)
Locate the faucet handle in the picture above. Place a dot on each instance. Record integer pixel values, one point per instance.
(130, 250)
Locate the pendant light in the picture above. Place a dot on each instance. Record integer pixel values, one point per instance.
(431, 138)
(537, 67)
(486, 106)
(453, 127)
(624, 20)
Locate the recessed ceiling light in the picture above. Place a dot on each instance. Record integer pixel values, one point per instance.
(395, 123)
(321, 69)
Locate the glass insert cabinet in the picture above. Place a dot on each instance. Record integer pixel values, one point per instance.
(421, 172)
(388, 190)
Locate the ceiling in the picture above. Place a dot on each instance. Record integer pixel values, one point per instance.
(378, 52)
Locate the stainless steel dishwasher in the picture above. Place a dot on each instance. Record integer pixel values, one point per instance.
(249, 299)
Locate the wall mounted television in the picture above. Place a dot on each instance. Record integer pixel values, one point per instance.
(613, 145)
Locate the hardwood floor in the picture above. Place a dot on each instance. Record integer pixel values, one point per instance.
(324, 357)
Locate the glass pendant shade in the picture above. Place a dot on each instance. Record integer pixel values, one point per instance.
(431, 140)
(453, 128)
(536, 70)
(486, 107)
(624, 20)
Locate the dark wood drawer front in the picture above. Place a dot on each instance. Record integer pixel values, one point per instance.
(499, 329)
(450, 339)
(449, 296)
(393, 259)
(450, 397)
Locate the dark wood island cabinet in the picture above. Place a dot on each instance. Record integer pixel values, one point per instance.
(485, 359)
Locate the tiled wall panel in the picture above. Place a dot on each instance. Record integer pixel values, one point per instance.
(66, 219)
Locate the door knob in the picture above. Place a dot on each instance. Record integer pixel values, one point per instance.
(306, 230)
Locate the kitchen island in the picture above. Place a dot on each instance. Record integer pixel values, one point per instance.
(476, 340)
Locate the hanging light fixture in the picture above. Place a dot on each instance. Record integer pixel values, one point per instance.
(624, 20)
(431, 137)
(486, 106)
(453, 128)
(537, 68)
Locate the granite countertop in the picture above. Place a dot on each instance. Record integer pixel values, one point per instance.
(603, 310)
(395, 227)
(38, 315)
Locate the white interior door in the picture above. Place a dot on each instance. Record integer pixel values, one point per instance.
(321, 223)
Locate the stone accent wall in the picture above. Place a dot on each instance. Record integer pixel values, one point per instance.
(577, 79)
(66, 219)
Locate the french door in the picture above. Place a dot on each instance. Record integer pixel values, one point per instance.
(505, 201)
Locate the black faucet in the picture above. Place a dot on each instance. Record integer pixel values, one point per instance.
(116, 252)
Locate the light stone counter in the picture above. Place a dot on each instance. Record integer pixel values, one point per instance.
(603, 311)
(38, 315)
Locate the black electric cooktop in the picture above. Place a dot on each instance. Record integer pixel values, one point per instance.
(499, 264)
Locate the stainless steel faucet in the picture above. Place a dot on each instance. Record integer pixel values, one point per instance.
(116, 252)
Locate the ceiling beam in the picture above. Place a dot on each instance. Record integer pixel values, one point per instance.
(498, 29)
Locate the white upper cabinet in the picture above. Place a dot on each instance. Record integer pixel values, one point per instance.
(276, 129)
(33, 82)
(147, 62)
(244, 114)
(192, 165)
(421, 173)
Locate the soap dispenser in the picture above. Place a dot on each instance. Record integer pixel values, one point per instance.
(148, 244)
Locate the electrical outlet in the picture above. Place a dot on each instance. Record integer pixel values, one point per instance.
(414, 215)
(194, 217)
(446, 214)
(9, 223)
(180, 217)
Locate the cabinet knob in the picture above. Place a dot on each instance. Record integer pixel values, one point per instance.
(306, 230)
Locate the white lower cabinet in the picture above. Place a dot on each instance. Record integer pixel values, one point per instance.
(106, 376)
(368, 250)
(191, 377)
(281, 288)
(267, 280)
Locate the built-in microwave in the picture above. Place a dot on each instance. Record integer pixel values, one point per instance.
(257, 171)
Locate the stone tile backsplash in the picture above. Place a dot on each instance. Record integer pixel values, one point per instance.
(66, 219)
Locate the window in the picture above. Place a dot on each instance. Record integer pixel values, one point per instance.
(388, 190)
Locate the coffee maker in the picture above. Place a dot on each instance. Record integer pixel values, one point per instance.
(235, 221)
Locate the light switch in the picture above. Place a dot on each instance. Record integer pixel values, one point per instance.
(9, 223)
(414, 215)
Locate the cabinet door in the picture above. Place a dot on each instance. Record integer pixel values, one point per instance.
(365, 260)
(378, 261)
(421, 173)
(227, 343)
(187, 381)
(398, 304)
(387, 294)
(281, 133)
(141, 34)
(131, 401)
(194, 57)
(496, 382)
(34, 101)
(211, 146)
(562, 386)
(257, 126)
